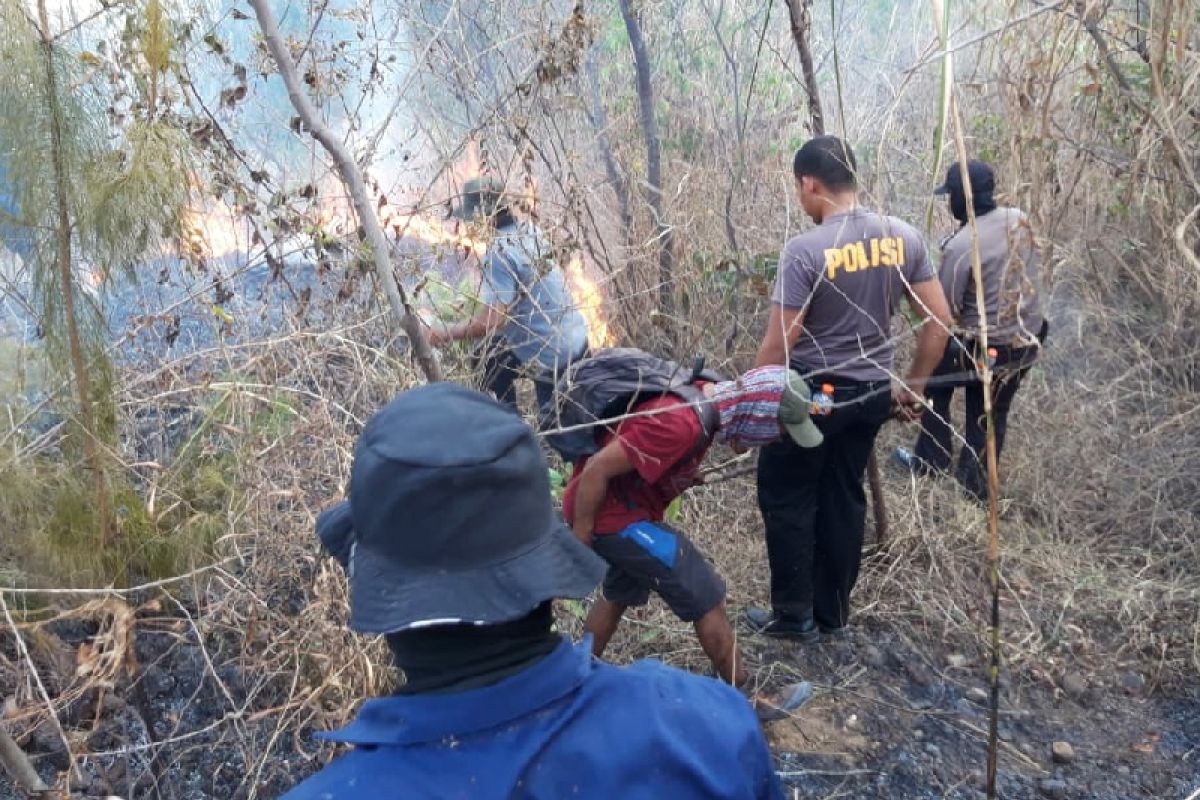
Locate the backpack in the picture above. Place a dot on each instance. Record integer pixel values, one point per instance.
(608, 384)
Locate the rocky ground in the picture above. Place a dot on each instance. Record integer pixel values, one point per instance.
(909, 719)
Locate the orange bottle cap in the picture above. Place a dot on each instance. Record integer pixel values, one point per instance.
(827, 388)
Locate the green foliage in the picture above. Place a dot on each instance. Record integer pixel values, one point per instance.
(450, 303)
(674, 512)
(136, 195)
(21, 368)
(49, 512)
(558, 483)
(989, 130)
(98, 197)
(49, 509)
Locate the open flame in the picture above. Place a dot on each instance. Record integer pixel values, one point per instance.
(590, 302)
(218, 230)
(214, 231)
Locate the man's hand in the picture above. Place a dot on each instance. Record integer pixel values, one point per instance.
(907, 404)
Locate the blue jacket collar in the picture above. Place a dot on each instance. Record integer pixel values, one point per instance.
(410, 719)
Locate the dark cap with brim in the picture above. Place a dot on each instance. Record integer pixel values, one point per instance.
(481, 196)
(450, 519)
(385, 597)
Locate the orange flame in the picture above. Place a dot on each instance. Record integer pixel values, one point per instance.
(590, 302)
(213, 231)
(429, 230)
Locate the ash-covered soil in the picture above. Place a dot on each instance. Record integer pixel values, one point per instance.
(897, 718)
(893, 717)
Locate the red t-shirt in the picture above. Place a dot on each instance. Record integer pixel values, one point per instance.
(664, 451)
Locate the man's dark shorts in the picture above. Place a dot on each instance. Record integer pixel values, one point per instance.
(652, 556)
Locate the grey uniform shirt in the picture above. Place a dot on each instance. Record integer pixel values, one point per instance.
(848, 274)
(544, 326)
(1011, 271)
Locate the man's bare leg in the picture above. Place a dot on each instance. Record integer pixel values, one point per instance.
(602, 621)
(717, 639)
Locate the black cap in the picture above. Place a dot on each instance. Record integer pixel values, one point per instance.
(481, 196)
(450, 519)
(983, 179)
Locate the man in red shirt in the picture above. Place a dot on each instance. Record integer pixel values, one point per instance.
(616, 499)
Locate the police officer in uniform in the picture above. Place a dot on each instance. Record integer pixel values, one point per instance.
(1011, 273)
(837, 287)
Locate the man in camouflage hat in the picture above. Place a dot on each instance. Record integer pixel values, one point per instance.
(527, 323)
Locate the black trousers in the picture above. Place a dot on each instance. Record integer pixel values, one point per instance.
(935, 446)
(814, 507)
(501, 368)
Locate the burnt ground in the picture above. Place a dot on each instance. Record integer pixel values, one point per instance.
(891, 718)
(897, 719)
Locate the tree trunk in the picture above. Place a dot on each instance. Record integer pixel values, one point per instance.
(352, 176)
(66, 275)
(801, 18)
(599, 120)
(654, 193)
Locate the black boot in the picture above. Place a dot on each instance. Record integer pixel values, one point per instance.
(800, 627)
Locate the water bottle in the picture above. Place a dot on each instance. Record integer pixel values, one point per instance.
(822, 403)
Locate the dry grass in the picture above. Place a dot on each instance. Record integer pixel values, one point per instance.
(1101, 565)
(1099, 570)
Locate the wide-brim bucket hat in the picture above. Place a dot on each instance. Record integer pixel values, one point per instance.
(450, 519)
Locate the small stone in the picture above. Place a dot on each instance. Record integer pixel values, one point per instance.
(1054, 789)
(933, 750)
(965, 707)
(956, 661)
(918, 733)
(873, 657)
(919, 673)
(1074, 684)
(853, 722)
(1122, 769)
(977, 695)
(1062, 752)
(1133, 683)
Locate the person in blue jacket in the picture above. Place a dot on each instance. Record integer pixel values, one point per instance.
(455, 554)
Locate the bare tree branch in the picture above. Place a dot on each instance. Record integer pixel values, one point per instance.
(17, 763)
(352, 176)
(800, 12)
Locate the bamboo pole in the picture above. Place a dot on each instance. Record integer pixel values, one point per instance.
(993, 473)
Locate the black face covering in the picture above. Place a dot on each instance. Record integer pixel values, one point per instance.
(958, 204)
(455, 658)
